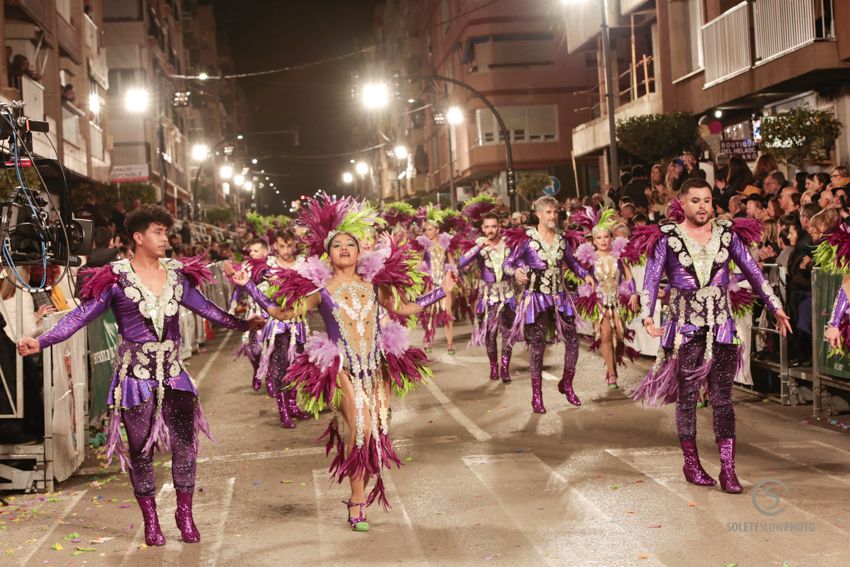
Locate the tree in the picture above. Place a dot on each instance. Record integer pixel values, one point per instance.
(656, 137)
(530, 187)
(217, 215)
(800, 135)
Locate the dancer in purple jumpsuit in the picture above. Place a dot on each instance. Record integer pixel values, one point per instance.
(699, 345)
(539, 259)
(496, 306)
(151, 392)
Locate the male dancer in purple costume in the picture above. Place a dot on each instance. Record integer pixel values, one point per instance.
(151, 392)
(496, 306)
(288, 338)
(258, 251)
(538, 260)
(700, 340)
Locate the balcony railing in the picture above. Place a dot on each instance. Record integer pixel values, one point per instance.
(96, 141)
(32, 93)
(782, 26)
(92, 34)
(726, 42)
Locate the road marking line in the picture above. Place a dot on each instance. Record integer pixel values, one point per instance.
(674, 482)
(138, 537)
(65, 511)
(507, 475)
(306, 451)
(211, 552)
(214, 356)
(774, 448)
(460, 417)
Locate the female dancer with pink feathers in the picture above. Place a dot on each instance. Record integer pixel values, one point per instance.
(362, 356)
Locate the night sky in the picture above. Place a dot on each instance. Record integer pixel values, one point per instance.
(267, 34)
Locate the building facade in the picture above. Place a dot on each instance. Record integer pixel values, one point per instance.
(508, 51)
(728, 62)
(56, 64)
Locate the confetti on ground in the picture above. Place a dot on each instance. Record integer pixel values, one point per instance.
(654, 526)
(615, 486)
(408, 459)
(286, 482)
(100, 540)
(643, 556)
(57, 547)
(692, 504)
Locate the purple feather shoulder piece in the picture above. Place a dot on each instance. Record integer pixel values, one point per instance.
(748, 230)
(97, 281)
(195, 270)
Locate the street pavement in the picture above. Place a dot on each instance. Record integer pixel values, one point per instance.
(485, 481)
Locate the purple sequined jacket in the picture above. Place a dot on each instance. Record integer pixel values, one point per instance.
(495, 286)
(148, 350)
(546, 267)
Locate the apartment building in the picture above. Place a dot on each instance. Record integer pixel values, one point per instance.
(509, 52)
(145, 55)
(56, 63)
(726, 61)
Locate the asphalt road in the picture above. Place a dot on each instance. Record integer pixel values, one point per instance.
(485, 481)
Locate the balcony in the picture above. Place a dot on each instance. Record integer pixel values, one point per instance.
(783, 26)
(98, 68)
(32, 93)
(726, 41)
(583, 22)
(38, 11)
(91, 34)
(592, 136)
(69, 40)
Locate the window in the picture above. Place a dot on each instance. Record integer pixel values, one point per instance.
(122, 10)
(685, 23)
(524, 123)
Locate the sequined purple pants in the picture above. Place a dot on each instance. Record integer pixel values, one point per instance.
(536, 336)
(506, 321)
(279, 359)
(178, 410)
(720, 380)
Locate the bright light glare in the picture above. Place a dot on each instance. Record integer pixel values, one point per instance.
(203, 76)
(137, 100)
(376, 95)
(454, 115)
(95, 103)
(238, 180)
(362, 168)
(248, 185)
(200, 152)
(225, 188)
(718, 113)
(226, 171)
(254, 161)
(401, 152)
(347, 178)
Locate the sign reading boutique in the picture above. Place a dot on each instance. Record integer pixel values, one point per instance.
(745, 149)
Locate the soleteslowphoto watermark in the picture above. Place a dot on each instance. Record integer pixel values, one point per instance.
(767, 497)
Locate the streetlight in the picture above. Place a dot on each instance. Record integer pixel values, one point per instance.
(375, 95)
(362, 168)
(137, 100)
(254, 161)
(347, 178)
(239, 180)
(401, 152)
(203, 76)
(610, 107)
(248, 185)
(226, 171)
(200, 152)
(454, 116)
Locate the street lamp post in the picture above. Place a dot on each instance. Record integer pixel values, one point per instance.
(401, 154)
(610, 107)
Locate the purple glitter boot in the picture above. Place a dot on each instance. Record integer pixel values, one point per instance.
(694, 473)
(256, 383)
(728, 479)
(153, 533)
(183, 516)
(537, 395)
(270, 387)
(283, 409)
(494, 370)
(565, 386)
(292, 406)
(506, 367)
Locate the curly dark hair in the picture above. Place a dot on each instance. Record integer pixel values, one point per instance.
(286, 234)
(140, 219)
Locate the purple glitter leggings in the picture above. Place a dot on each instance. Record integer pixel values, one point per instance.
(720, 379)
(535, 336)
(506, 321)
(178, 410)
(279, 360)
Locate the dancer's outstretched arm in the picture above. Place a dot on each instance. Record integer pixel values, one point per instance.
(87, 312)
(406, 308)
